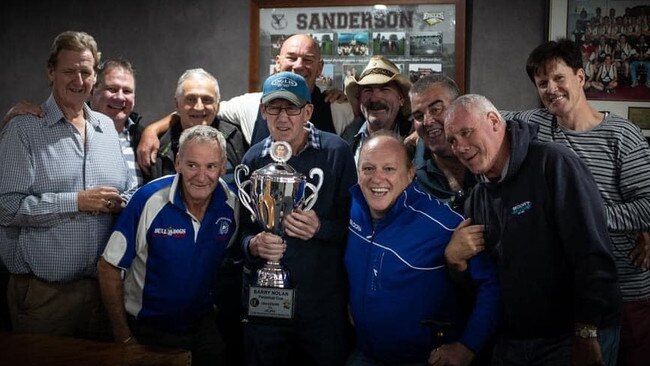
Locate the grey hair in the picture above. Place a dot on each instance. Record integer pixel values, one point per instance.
(197, 74)
(203, 133)
(475, 104)
(426, 82)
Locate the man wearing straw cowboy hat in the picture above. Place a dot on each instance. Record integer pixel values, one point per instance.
(382, 95)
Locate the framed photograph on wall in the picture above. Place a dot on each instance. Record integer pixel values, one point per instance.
(640, 116)
(408, 32)
(609, 47)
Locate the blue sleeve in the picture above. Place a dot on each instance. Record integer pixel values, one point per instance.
(122, 245)
(485, 316)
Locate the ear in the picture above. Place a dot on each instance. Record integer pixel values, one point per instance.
(177, 103)
(494, 120)
(581, 76)
(309, 110)
(50, 74)
(177, 162)
(263, 112)
(411, 173)
(277, 64)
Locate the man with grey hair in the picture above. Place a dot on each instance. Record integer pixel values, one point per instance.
(541, 216)
(438, 170)
(197, 103)
(63, 181)
(159, 268)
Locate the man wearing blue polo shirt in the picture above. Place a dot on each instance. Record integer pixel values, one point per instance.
(169, 243)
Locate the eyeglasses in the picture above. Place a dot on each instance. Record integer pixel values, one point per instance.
(433, 110)
(275, 110)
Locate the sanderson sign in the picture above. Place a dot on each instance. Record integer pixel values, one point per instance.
(354, 20)
(420, 39)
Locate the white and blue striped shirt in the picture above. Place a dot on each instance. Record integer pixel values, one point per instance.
(618, 156)
(45, 164)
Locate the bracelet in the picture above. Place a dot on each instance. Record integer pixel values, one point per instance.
(127, 340)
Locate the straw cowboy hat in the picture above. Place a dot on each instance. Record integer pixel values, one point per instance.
(379, 70)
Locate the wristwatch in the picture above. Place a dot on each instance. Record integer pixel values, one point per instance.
(586, 331)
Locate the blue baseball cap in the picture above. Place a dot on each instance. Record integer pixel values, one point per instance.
(286, 85)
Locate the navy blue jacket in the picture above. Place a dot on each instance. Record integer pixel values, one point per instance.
(546, 227)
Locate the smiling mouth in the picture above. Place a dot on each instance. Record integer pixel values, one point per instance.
(468, 158)
(434, 132)
(378, 191)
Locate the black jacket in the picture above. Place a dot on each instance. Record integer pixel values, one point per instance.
(546, 226)
(235, 149)
(353, 138)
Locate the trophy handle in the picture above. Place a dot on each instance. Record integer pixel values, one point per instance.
(241, 189)
(311, 200)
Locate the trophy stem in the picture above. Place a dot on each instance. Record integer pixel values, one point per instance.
(273, 274)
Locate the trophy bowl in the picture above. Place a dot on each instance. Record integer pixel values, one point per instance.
(271, 193)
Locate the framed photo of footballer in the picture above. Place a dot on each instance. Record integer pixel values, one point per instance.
(611, 35)
(408, 32)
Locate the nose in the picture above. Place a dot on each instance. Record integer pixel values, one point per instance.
(298, 64)
(201, 174)
(458, 146)
(78, 78)
(428, 118)
(119, 95)
(199, 104)
(377, 176)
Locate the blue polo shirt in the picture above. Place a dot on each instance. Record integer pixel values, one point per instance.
(170, 258)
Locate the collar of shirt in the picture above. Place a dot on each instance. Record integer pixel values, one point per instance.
(364, 134)
(313, 141)
(126, 131)
(53, 113)
(504, 173)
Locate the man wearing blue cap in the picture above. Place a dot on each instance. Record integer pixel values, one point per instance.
(313, 246)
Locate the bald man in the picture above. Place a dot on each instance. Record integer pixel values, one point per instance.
(299, 54)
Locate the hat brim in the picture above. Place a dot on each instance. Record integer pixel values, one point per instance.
(352, 88)
(284, 94)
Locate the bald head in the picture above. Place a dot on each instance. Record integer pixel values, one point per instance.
(385, 171)
(301, 54)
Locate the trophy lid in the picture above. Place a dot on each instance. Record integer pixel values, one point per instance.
(279, 170)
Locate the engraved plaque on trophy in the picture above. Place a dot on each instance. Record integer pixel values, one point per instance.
(271, 193)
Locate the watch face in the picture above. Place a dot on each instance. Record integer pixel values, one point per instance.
(586, 333)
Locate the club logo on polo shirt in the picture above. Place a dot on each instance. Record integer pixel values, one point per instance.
(170, 232)
(223, 231)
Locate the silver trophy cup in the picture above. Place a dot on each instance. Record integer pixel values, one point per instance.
(271, 193)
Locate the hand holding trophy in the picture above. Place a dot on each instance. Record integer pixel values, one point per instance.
(272, 193)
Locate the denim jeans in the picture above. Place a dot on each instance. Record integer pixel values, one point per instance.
(551, 351)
